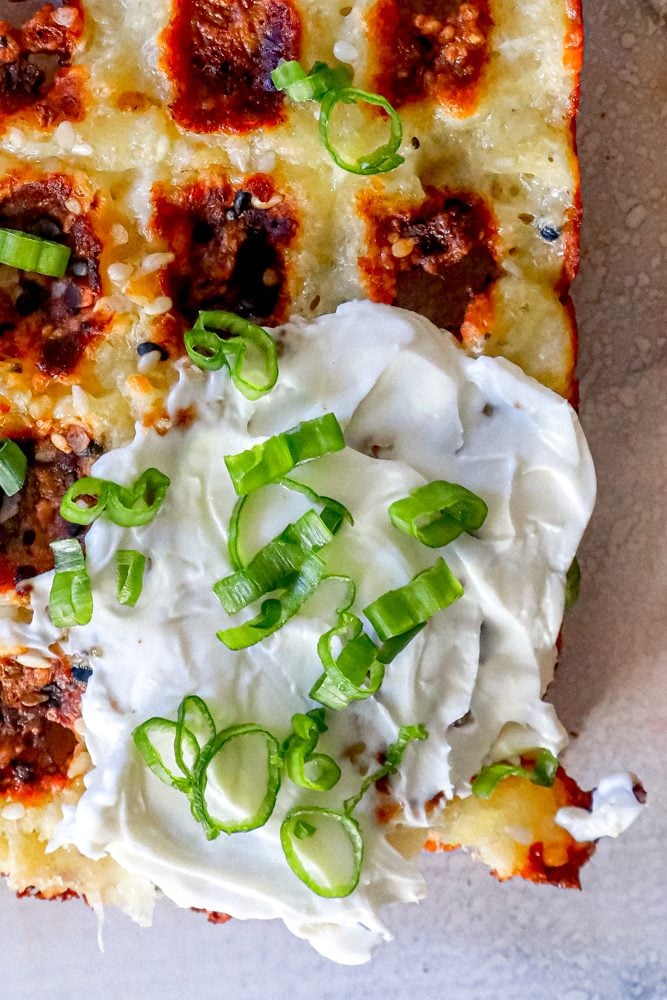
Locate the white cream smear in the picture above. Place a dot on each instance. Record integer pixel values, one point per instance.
(414, 408)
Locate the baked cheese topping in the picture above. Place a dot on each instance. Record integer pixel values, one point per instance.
(414, 408)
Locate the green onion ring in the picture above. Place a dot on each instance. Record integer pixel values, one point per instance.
(70, 598)
(214, 827)
(393, 758)
(193, 715)
(381, 160)
(398, 611)
(298, 751)
(542, 773)
(130, 566)
(32, 253)
(333, 512)
(301, 86)
(13, 467)
(299, 823)
(276, 612)
(87, 486)
(138, 504)
(209, 351)
(274, 458)
(437, 513)
(143, 737)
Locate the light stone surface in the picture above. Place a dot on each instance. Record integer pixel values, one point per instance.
(473, 939)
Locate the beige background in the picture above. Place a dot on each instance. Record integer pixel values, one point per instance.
(474, 939)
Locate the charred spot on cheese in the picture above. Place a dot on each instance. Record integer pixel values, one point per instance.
(31, 520)
(47, 322)
(219, 55)
(229, 246)
(430, 48)
(37, 82)
(436, 258)
(38, 709)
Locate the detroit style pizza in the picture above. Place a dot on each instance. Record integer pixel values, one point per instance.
(291, 485)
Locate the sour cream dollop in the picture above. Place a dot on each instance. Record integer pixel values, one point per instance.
(414, 408)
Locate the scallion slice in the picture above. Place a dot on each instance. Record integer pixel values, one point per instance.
(273, 459)
(32, 253)
(437, 513)
(333, 512)
(393, 758)
(543, 772)
(70, 599)
(130, 566)
(381, 160)
(194, 729)
(249, 354)
(274, 564)
(13, 467)
(305, 768)
(154, 739)
(317, 860)
(88, 488)
(138, 504)
(276, 611)
(214, 826)
(291, 77)
(399, 611)
(356, 674)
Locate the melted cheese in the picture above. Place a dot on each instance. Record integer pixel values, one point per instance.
(414, 408)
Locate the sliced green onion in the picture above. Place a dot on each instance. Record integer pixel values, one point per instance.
(89, 487)
(276, 611)
(13, 467)
(301, 86)
(70, 599)
(305, 768)
(572, 584)
(250, 354)
(543, 773)
(273, 459)
(381, 160)
(214, 826)
(304, 824)
(130, 566)
(194, 728)
(333, 512)
(32, 253)
(164, 731)
(357, 673)
(393, 758)
(438, 513)
(138, 504)
(399, 611)
(233, 534)
(273, 565)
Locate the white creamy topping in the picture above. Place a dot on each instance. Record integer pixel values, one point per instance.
(615, 806)
(414, 408)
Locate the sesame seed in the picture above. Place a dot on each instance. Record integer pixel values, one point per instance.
(119, 234)
(61, 443)
(82, 149)
(33, 661)
(119, 272)
(345, 51)
(402, 248)
(65, 16)
(154, 261)
(13, 811)
(158, 306)
(73, 206)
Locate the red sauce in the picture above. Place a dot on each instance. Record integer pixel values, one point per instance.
(229, 246)
(436, 258)
(430, 48)
(38, 708)
(25, 537)
(38, 87)
(219, 55)
(48, 322)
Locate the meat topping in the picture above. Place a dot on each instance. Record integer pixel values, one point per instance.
(219, 55)
(434, 48)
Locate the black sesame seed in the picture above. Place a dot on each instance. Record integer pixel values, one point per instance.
(415, 143)
(29, 536)
(148, 347)
(549, 233)
(54, 693)
(23, 770)
(242, 202)
(82, 674)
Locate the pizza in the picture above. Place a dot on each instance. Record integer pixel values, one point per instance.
(191, 165)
